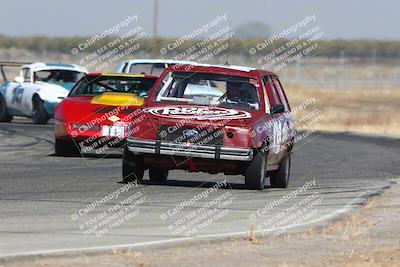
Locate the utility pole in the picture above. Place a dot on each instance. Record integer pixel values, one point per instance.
(155, 19)
(374, 69)
(298, 70)
(339, 69)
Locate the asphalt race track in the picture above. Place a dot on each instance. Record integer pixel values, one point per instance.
(41, 195)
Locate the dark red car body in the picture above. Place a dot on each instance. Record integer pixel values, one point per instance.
(243, 134)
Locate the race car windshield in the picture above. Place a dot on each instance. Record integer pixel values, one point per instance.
(58, 76)
(211, 89)
(98, 85)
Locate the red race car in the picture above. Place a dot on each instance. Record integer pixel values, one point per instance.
(229, 119)
(95, 115)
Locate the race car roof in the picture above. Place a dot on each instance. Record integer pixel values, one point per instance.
(219, 68)
(38, 66)
(165, 61)
(122, 75)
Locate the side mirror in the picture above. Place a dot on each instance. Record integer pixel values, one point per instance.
(278, 108)
(19, 79)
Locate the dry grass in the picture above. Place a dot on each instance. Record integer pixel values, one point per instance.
(381, 257)
(367, 111)
(251, 237)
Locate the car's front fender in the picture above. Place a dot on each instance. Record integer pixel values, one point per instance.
(51, 96)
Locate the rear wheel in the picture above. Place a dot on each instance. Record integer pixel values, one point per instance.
(132, 167)
(39, 115)
(4, 115)
(280, 178)
(158, 175)
(66, 148)
(256, 172)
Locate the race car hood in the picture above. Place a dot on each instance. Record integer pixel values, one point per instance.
(67, 86)
(117, 99)
(98, 109)
(51, 92)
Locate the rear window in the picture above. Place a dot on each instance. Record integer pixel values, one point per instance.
(89, 85)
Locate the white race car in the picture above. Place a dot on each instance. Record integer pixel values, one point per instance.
(37, 90)
(149, 66)
(156, 67)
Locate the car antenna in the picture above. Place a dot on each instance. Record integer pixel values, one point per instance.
(229, 43)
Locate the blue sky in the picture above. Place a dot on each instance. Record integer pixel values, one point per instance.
(339, 19)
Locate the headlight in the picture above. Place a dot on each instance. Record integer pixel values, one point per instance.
(132, 129)
(59, 128)
(85, 127)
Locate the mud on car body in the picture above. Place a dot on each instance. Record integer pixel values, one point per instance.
(229, 119)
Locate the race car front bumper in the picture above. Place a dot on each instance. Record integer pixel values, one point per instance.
(188, 150)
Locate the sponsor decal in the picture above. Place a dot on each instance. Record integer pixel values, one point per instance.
(198, 113)
(113, 118)
(190, 133)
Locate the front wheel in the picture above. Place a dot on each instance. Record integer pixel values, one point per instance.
(132, 167)
(256, 172)
(4, 115)
(280, 178)
(158, 175)
(39, 115)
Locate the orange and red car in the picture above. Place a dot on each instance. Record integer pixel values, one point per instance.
(97, 111)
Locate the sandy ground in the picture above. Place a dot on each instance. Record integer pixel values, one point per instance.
(368, 237)
(357, 110)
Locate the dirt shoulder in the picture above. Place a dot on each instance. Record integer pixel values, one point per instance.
(367, 237)
(355, 110)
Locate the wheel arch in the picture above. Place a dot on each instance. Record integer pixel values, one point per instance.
(36, 94)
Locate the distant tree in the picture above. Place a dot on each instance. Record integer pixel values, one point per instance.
(253, 30)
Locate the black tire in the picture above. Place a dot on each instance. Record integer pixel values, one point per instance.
(256, 172)
(39, 115)
(158, 175)
(4, 114)
(132, 167)
(280, 178)
(66, 148)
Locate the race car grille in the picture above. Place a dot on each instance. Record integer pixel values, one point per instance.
(202, 136)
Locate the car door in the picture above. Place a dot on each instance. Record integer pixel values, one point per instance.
(287, 119)
(15, 92)
(19, 96)
(28, 89)
(279, 123)
(12, 95)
